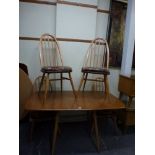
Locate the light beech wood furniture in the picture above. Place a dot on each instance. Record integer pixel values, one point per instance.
(25, 91)
(65, 101)
(96, 62)
(52, 63)
(38, 116)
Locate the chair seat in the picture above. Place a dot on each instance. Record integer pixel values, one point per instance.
(56, 69)
(94, 70)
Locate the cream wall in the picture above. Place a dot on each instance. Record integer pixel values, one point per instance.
(91, 2)
(67, 22)
(35, 19)
(103, 4)
(102, 19)
(78, 23)
(29, 55)
(73, 54)
(129, 39)
(75, 22)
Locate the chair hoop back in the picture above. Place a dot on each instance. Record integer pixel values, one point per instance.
(49, 51)
(97, 54)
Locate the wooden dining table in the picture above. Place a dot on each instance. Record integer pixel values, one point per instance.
(65, 101)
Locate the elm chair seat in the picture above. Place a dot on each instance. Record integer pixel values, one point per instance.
(56, 69)
(93, 70)
(96, 62)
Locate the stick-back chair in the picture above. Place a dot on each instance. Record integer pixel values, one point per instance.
(96, 62)
(52, 63)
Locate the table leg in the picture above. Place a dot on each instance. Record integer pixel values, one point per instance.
(55, 132)
(96, 131)
(31, 130)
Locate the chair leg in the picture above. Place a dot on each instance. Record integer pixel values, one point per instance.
(130, 101)
(124, 117)
(50, 86)
(41, 83)
(31, 127)
(46, 88)
(120, 95)
(71, 81)
(114, 119)
(106, 83)
(55, 132)
(81, 82)
(85, 79)
(61, 80)
(92, 127)
(31, 130)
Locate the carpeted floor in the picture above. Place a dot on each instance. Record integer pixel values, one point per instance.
(75, 139)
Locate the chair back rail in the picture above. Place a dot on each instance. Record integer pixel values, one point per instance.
(50, 51)
(97, 54)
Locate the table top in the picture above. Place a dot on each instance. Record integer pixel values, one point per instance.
(63, 101)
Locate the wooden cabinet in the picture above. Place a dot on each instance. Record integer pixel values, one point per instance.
(126, 86)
